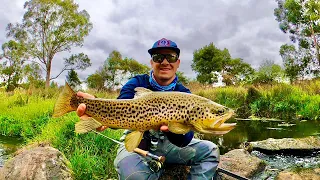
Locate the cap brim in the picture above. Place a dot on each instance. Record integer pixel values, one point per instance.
(152, 50)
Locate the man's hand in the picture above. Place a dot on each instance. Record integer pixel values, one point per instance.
(164, 128)
(82, 108)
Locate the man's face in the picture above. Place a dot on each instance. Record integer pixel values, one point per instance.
(165, 71)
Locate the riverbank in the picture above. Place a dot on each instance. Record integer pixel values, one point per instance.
(27, 114)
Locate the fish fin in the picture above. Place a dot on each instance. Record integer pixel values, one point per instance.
(226, 126)
(178, 128)
(141, 91)
(84, 126)
(63, 103)
(215, 131)
(197, 126)
(222, 129)
(133, 140)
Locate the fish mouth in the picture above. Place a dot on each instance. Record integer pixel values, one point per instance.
(223, 118)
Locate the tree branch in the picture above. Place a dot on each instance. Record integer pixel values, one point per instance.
(38, 64)
(64, 69)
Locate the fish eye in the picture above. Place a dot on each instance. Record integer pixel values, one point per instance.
(220, 111)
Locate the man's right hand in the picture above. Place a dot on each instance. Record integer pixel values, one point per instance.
(82, 108)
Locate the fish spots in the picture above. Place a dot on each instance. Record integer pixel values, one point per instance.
(151, 111)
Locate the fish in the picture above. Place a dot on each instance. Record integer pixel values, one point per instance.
(180, 111)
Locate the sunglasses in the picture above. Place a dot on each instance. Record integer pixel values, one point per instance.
(158, 58)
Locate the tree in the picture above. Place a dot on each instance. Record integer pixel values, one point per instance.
(182, 78)
(295, 61)
(300, 19)
(133, 67)
(96, 81)
(32, 73)
(115, 70)
(12, 64)
(111, 66)
(207, 60)
(210, 59)
(237, 71)
(49, 27)
(73, 79)
(268, 72)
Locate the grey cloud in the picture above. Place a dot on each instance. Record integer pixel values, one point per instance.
(100, 44)
(247, 28)
(272, 36)
(243, 51)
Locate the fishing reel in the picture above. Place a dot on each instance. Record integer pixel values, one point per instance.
(155, 166)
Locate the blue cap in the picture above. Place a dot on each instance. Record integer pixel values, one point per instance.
(164, 44)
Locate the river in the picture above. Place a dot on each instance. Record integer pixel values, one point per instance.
(8, 145)
(246, 131)
(256, 130)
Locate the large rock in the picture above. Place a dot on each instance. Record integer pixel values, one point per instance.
(237, 161)
(270, 145)
(305, 174)
(37, 163)
(240, 162)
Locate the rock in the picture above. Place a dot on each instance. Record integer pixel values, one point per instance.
(271, 145)
(37, 163)
(240, 162)
(237, 161)
(304, 174)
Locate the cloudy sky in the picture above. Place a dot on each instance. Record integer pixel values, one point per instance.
(247, 28)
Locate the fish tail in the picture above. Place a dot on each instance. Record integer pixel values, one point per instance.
(66, 102)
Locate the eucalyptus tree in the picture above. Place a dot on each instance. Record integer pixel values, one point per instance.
(49, 27)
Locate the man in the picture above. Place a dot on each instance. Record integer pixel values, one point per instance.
(201, 155)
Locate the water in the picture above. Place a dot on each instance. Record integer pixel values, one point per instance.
(281, 162)
(257, 130)
(8, 145)
(248, 131)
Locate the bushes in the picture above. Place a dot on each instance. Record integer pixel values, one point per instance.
(280, 101)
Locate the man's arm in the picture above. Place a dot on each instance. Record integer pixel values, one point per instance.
(127, 91)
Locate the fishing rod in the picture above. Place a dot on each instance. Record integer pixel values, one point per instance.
(157, 162)
(231, 174)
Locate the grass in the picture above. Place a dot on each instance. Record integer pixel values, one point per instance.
(275, 101)
(90, 155)
(27, 114)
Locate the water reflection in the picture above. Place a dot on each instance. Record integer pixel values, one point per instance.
(8, 145)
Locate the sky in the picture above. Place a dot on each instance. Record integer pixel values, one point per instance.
(247, 28)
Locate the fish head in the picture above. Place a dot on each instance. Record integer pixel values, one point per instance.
(218, 112)
(212, 116)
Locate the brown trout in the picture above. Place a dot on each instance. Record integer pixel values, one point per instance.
(181, 112)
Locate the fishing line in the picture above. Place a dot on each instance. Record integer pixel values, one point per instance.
(108, 137)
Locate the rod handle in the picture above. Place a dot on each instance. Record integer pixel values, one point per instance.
(141, 152)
